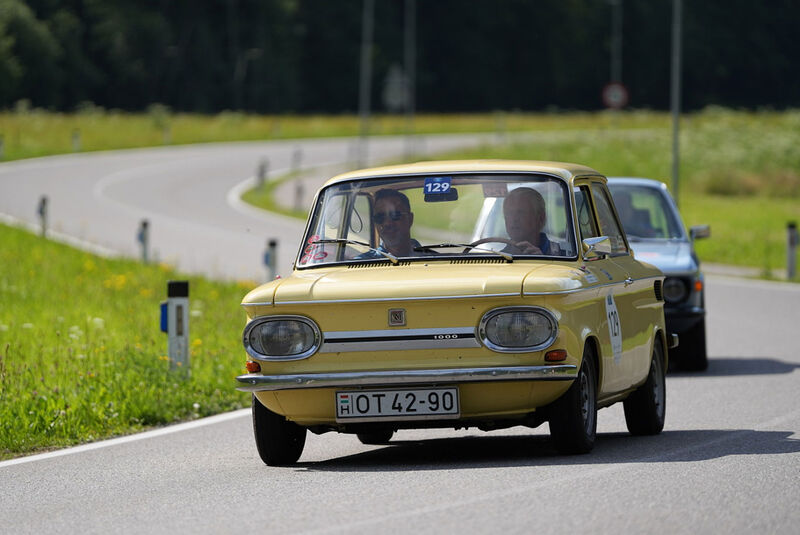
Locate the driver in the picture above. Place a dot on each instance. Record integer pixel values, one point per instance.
(525, 216)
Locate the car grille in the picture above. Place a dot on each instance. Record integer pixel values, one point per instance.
(658, 291)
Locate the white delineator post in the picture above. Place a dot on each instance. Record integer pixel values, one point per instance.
(176, 309)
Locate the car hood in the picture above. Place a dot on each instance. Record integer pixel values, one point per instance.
(670, 256)
(417, 280)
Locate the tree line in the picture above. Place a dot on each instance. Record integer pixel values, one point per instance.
(302, 56)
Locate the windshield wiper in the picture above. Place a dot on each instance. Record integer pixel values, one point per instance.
(508, 257)
(388, 255)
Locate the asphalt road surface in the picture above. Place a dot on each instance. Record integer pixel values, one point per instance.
(728, 460)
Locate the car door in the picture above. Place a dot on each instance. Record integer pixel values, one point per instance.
(632, 296)
(609, 278)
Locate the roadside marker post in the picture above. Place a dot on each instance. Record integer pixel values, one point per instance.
(143, 237)
(792, 241)
(42, 211)
(270, 258)
(175, 322)
(261, 173)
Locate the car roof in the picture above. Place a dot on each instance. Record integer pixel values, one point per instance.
(636, 181)
(564, 170)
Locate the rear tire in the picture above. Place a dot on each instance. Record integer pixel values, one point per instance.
(279, 441)
(646, 407)
(573, 420)
(375, 437)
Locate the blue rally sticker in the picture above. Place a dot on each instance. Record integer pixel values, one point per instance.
(437, 185)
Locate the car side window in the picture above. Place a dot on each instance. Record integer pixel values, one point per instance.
(608, 222)
(583, 206)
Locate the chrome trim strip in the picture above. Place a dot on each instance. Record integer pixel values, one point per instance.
(258, 382)
(587, 288)
(391, 299)
(399, 339)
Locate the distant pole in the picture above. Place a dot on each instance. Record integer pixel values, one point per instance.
(675, 93)
(410, 53)
(616, 40)
(365, 86)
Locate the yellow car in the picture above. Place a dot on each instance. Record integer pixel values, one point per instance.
(457, 294)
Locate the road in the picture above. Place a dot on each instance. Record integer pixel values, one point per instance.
(728, 460)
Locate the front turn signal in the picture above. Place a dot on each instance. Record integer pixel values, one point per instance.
(252, 367)
(556, 355)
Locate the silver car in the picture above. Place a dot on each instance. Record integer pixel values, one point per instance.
(656, 234)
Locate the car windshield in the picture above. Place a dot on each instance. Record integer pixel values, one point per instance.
(645, 212)
(505, 216)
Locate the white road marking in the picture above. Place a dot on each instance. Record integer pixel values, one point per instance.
(177, 428)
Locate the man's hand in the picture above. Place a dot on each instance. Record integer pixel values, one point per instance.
(526, 247)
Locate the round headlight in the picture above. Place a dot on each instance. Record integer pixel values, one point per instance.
(514, 330)
(281, 338)
(675, 290)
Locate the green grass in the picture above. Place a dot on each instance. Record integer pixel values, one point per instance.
(29, 133)
(81, 354)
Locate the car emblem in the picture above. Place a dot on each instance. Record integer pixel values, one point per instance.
(397, 317)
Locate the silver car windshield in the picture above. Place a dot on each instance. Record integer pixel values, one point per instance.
(645, 212)
(505, 216)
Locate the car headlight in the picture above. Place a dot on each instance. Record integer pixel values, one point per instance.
(281, 338)
(675, 290)
(518, 329)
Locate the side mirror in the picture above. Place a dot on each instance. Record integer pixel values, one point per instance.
(595, 248)
(699, 231)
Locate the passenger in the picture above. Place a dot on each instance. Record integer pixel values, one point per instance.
(525, 216)
(393, 218)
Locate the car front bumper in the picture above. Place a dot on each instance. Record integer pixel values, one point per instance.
(255, 382)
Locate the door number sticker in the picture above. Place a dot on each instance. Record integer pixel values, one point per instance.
(614, 328)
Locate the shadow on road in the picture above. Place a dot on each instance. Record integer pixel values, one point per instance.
(724, 367)
(520, 450)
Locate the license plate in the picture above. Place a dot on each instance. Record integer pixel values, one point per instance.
(407, 404)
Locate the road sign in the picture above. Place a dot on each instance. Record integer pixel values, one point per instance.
(615, 95)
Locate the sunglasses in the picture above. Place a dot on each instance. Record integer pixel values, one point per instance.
(394, 216)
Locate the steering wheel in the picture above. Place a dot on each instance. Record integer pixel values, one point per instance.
(491, 239)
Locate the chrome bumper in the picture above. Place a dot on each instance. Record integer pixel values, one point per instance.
(255, 382)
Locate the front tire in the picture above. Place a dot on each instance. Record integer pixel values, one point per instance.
(279, 441)
(646, 407)
(573, 421)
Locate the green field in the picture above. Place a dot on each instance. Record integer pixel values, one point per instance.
(81, 353)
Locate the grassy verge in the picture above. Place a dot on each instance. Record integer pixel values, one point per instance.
(29, 133)
(81, 354)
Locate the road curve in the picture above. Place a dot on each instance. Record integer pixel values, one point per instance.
(728, 460)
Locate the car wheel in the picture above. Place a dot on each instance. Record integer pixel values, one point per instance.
(279, 441)
(573, 420)
(646, 406)
(692, 349)
(375, 437)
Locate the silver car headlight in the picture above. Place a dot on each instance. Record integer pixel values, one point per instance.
(518, 329)
(281, 338)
